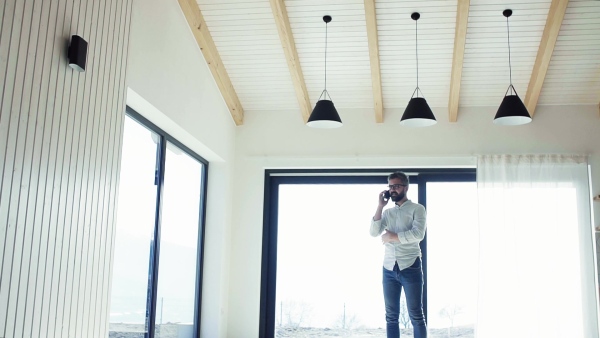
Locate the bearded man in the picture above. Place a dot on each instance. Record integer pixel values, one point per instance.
(402, 228)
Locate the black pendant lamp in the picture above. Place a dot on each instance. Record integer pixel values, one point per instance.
(417, 112)
(512, 111)
(324, 115)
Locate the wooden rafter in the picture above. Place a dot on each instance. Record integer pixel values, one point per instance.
(291, 55)
(215, 64)
(460, 38)
(542, 61)
(374, 58)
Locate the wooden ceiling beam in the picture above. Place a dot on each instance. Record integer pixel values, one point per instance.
(460, 38)
(291, 55)
(213, 59)
(545, 50)
(374, 58)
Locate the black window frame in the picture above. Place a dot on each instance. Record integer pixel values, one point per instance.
(154, 258)
(276, 177)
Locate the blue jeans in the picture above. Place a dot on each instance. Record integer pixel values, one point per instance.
(411, 279)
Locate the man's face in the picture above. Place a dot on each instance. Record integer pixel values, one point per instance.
(397, 189)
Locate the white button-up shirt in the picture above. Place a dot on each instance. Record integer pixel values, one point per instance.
(409, 222)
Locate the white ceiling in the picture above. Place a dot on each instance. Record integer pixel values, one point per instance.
(574, 73)
(246, 37)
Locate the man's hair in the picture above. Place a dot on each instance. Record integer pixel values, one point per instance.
(398, 174)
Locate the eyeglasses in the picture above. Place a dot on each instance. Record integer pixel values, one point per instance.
(396, 186)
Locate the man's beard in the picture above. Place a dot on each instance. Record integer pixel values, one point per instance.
(398, 197)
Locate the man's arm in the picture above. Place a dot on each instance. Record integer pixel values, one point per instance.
(378, 221)
(417, 233)
(377, 226)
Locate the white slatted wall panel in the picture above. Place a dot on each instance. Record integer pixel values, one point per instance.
(348, 67)
(60, 141)
(485, 76)
(246, 37)
(574, 73)
(396, 32)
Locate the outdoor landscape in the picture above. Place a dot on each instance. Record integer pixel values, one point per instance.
(122, 330)
(118, 330)
(295, 317)
(302, 332)
(170, 330)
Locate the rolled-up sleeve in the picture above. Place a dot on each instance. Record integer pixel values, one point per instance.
(377, 226)
(417, 232)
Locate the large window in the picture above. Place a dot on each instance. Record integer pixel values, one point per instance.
(159, 235)
(452, 258)
(322, 269)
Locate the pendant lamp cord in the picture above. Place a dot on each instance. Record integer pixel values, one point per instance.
(326, 60)
(417, 53)
(509, 63)
(325, 93)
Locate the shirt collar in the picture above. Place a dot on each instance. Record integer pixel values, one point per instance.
(408, 201)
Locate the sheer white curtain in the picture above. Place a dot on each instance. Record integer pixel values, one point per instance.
(535, 247)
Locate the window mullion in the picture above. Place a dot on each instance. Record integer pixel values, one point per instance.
(156, 243)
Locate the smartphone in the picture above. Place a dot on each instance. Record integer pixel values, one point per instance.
(386, 195)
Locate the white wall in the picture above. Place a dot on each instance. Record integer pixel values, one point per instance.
(171, 85)
(60, 147)
(278, 139)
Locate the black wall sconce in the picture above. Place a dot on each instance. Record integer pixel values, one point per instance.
(77, 53)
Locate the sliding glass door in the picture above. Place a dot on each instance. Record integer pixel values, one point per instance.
(322, 270)
(176, 290)
(134, 231)
(158, 242)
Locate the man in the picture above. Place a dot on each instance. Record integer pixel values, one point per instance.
(404, 227)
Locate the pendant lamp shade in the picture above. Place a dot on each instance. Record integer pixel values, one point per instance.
(417, 112)
(324, 115)
(512, 111)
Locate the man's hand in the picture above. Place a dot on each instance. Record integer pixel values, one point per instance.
(382, 200)
(389, 237)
